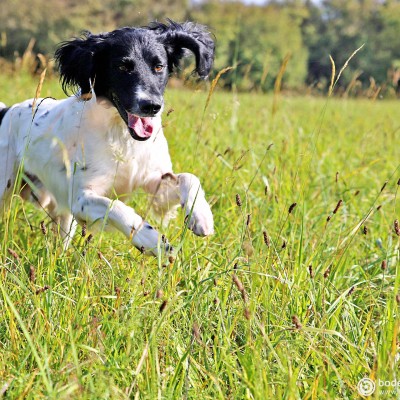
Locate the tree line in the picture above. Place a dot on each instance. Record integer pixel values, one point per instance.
(312, 37)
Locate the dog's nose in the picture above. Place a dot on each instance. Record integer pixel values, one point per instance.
(149, 107)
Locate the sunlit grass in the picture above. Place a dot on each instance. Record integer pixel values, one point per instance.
(302, 311)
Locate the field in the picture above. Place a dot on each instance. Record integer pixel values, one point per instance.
(294, 297)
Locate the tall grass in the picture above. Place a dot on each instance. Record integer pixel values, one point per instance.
(295, 296)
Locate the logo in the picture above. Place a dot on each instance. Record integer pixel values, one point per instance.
(366, 387)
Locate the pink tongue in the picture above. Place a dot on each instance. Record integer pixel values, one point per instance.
(143, 127)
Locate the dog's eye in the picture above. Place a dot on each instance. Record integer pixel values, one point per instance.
(158, 67)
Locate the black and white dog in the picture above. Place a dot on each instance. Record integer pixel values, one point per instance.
(83, 155)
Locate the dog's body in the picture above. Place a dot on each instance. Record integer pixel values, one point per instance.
(79, 155)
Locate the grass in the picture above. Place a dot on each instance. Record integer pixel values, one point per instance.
(279, 303)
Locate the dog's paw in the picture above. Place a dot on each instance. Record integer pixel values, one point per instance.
(201, 221)
(148, 241)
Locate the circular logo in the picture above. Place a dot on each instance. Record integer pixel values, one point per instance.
(366, 387)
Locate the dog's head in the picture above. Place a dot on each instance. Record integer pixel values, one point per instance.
(130, 67)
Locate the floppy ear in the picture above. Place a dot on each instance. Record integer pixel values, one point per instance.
(177, 38)
(75, 59)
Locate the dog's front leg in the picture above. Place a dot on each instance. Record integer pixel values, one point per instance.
(184, 189)
(92, 208)
(193, 200)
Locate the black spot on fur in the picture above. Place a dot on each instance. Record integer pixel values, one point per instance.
(85, 168)
(30, 106)
(9, 184)
(36, 124)
(45, 114)
(3, 112)
(149, 227)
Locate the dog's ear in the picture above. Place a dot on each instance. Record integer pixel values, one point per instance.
(178, 38)
(75, 60)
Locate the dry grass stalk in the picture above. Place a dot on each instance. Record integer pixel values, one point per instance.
(214, 84)
(278, 83)
(38, 91)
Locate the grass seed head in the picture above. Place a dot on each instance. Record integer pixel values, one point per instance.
(247, 314)
(337, 177)
(13, 253)
(350, 292)
(383, 265)
(32, 275)
(398, 182)
(327, 272)
(266, 238)
(43, 227)
(398, 298)
(296, 322)
(384, 185)
(291, 208)
(237, 282)
(159, 294)
(248, 220)
(356, 193)
(310, 269)
(163, 305)
(365, 230)
(117, 291)
(284, 244)
(88, 239)
(337, 206)
(83, 233)
(238, 200)
(396, 227)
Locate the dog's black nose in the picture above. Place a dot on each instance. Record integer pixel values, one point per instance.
(149, 107)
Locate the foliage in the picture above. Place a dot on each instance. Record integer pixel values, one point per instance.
(255, 39)
(295, 296)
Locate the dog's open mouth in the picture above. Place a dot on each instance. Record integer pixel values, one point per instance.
(142, 126)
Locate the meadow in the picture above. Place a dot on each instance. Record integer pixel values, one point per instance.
(296, 296)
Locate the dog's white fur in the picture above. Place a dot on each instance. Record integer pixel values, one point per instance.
(87, 164)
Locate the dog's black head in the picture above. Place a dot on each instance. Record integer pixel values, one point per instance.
(130, 67)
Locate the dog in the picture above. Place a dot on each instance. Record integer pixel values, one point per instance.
(82, 156)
